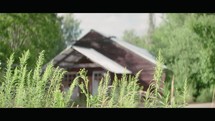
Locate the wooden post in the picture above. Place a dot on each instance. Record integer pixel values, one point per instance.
(213, 98)
(172, 90)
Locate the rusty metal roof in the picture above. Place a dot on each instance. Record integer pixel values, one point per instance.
(137, 50)
(68, 55)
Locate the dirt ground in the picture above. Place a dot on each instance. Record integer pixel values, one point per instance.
(201, 105)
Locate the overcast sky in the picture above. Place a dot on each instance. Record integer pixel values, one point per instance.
(115, 23)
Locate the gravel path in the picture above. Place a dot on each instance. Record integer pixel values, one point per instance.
(201, 105)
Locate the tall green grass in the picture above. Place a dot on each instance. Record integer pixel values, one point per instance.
(35, 88)
(122, 93)
(157, 96)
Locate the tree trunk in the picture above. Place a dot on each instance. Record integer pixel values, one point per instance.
(151, 28)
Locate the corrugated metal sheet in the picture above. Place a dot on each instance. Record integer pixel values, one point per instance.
(139, 51)
(102, 60)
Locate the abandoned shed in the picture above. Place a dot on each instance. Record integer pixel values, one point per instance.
(98, 54)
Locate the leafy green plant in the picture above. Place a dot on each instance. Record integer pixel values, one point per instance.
(37, 87)
(34, 88)
(155, 96)
(123, 92)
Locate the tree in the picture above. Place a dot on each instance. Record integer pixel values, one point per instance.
(70, 28)
(131, 37)
(30, 31)
(141, 41)
(151, 28)
(187, 43)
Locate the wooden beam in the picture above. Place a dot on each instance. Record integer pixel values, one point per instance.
(57, 63)
(82, 65)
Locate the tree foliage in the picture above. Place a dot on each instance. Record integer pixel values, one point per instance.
(187, 45)
(71, 28)
(33, 31)
(131, 37)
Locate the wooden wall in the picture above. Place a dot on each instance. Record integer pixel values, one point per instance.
(121, 55)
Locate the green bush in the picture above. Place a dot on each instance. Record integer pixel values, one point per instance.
(206, 95)
(187, 43)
